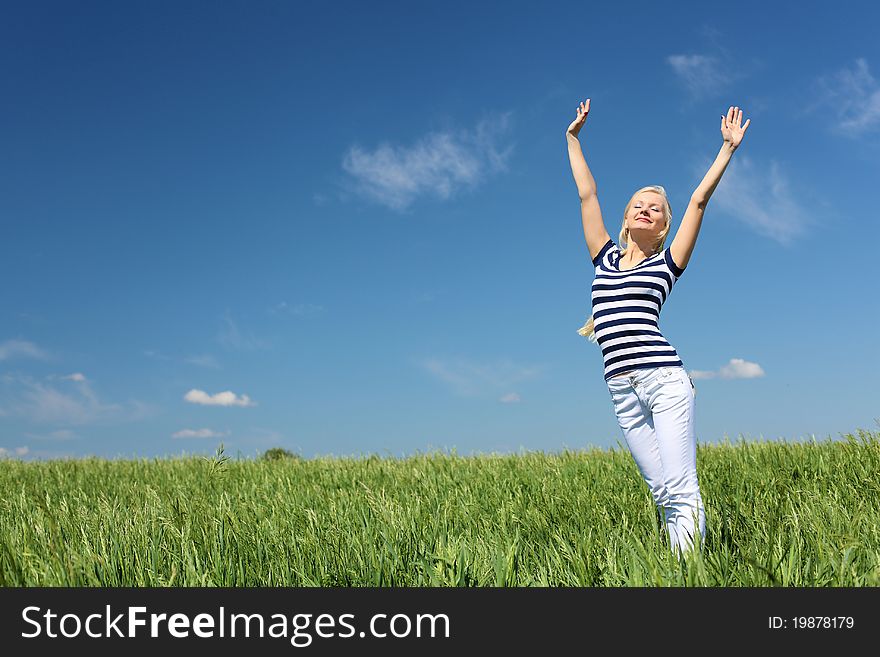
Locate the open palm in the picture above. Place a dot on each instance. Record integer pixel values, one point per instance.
(732, 129)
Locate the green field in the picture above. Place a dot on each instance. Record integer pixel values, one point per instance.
(778, 514)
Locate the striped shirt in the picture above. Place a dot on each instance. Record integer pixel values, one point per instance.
(626, 310)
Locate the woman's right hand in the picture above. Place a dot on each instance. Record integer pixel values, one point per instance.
(578, 123)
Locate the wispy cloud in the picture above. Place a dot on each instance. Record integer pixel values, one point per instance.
(306, 310)
(152, 353)
(203, 360)
(510, 398)
(16, 452)
(712, 68)
(59, 435)
(736, 368)
(198, 433)
(21, 349)
(77, 377)
(428, 295)
(256, 440)
(473, 379)
(231, 337)
(43, 403)
(852, 95)
(437, 165)
(701, 75)
(760, 197)
(226, 398)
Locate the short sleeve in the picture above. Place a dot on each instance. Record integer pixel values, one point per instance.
(608, 246)
(674, 268)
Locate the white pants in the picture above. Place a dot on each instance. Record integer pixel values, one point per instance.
(655, 410)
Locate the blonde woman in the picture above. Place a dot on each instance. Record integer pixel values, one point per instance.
(652, 394)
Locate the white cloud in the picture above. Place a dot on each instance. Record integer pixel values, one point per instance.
(702, 374)
(437, 165)
(510, 398)
(18, 451)
(21, 349)
(853, 97)
(761, 198)
(226, 398)
(474, 379)
(198, 433)
(736, 368)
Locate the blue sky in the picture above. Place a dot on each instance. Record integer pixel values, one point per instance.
(349, 228)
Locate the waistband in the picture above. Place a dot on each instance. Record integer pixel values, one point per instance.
(642, 375)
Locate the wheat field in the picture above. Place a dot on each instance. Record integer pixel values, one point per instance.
(778, 514)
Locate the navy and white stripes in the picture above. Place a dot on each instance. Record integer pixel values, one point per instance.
(626, 310)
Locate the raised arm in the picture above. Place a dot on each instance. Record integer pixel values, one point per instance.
(591, 215)
(686, 238)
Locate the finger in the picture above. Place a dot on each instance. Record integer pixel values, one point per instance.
(748, 121)
(739, 117)
(730, 114)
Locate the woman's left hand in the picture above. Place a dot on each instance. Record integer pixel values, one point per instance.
(731, 129)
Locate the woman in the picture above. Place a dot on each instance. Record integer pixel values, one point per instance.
(653, 395)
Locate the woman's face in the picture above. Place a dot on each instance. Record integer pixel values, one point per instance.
(645, 215)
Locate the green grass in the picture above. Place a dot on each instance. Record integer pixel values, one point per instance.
(778, 514)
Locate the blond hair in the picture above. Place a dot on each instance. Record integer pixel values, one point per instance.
(587, 330)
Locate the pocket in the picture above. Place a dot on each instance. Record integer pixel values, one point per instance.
(669, 373)
(665, 373)
(672, 376)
